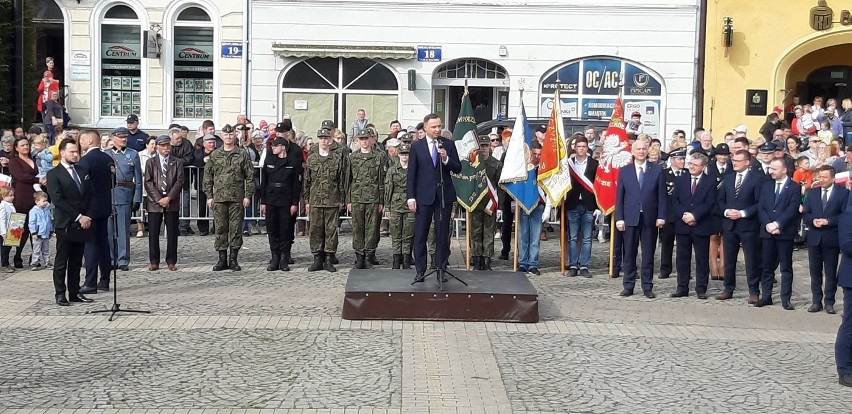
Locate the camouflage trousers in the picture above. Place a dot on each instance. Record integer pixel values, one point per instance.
(365, 229)
(402, 232)
(323, 230)
(228, 220)
(482, 228)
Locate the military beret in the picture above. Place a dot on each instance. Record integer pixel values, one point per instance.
(324, 132)
(279, 141)
(163, 139)
(227, 129)
(404, 149)
(120, 131)
(327, 124)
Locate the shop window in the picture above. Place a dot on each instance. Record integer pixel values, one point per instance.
(121, 62)
(193, 65)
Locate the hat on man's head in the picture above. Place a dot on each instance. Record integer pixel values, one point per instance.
(120, 131)
(279, 141)
(411, 129)
(227, 129)
(541, 128)
(327, 124)
(163, 139)
(680, 153)
(635, 113)
(393, 142)
(484, 140)
(132, 118)
(722, 149)
(208, 137)
(363, 133)
(779, 145)
(403, 137)
(741, 129)
(777, 110)
(324, 132)
(404, 148)
(767, 148)
(284, 126)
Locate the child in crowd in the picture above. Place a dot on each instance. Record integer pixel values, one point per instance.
(803, 174)
(825, 134)
(41, 228)
(42, 155)
(6, 210)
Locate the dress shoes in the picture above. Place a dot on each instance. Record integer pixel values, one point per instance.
(814, 308)
(763, 302)
(522, 269)
(79, 298)
(680, 294)
(419, 277)
(503, 256)
(153, 267)
(124, 268)
(172, 267)
(625, 293)
(88, 290)
(665, 276)
(845, 380)
(573, 272)
(585, 273)
(103, 285)
(725, 295)
(61, 301)
(829, 309)
(788, 306)
(650, 295)
(701, 295)
(752, 299)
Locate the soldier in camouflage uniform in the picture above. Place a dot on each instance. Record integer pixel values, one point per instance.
(229, 186)
(401, 218)
(482, 224)
(365, 193)
(324, 188)
(343, 151)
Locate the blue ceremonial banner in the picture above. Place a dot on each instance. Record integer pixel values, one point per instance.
(519, 177)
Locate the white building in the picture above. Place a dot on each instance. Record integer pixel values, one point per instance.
(401, 59)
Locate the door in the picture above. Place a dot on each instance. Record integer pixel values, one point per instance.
(481, 98)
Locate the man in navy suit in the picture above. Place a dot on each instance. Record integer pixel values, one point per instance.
(737, 198)
(778, 212)
(843, 343)
(97, 252)
(431, 161)
(822, 211)
(694, 202)
(640, 210)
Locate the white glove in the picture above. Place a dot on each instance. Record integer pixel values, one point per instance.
(546, 215)
(597, 214)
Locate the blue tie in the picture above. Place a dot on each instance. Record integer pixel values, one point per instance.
(76, 179)
(434, 153)
(641, 176)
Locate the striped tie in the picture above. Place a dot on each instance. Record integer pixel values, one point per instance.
(738, 185)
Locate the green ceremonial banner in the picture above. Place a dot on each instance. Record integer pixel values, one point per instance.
(471, 184)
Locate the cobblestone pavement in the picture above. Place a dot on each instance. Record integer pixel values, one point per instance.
(257, 341)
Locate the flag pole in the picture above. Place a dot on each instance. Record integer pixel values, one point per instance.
(612, 231)
(562, 238)
(517, 231)
(467, 239)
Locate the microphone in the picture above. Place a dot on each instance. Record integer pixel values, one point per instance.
(439, 144)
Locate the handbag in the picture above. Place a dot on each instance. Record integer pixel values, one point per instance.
(76, 233)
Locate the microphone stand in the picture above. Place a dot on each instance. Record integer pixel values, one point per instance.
(116, 307)
(440, 272)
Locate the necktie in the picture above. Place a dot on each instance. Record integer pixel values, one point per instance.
(641, 176)
(777, 191)
(738, 185)
(721, 170)
(694, 184)
(434, 153)
(824, 198)
(163, 176)
(76, 179)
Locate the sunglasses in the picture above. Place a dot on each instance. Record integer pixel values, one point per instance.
(495, 140)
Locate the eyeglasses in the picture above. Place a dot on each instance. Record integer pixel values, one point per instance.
(737, 160)
(495, 140)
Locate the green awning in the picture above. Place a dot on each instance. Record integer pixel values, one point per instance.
(337, 51)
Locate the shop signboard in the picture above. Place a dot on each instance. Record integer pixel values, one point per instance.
(120, 51)
(568, 107)
(194, 53)
(650, 111)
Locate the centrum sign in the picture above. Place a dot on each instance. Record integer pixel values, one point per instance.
(119, 51)
(202, 53)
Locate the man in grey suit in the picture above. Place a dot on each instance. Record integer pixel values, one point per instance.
(127, 194)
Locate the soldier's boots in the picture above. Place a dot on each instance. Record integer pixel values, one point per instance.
(222, 264)
(486, 263)
(406, 262)
(283, 260)
(368, 264)
(328, 264)
(474, 263)
(397, 261)
(371, 256)
(334, 259)
(360, 262)
(317, 264)
(273, 261)
(432, 263)
(233, 264)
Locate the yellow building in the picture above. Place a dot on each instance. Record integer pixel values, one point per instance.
(778, 49)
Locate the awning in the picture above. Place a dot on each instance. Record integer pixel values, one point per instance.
(335, 51)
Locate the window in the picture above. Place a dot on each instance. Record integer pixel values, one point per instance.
(121, 62)
(193, 64)
(471, 69)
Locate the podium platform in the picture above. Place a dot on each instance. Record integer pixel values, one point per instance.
(490, 296)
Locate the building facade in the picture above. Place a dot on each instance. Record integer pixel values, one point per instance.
(325, 59)
(191, 68)
(774, 52)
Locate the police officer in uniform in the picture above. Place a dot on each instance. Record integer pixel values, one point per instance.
(482, 224)
(229, 186)
(136, 138)
(367, 168)
(127, 194)
(325, 187)
(281, 178)
(667, 233)
(401, 218)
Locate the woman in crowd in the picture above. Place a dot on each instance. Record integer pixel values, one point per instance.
(24, 172)
(149, 152)
(846, 120)
(793, 147)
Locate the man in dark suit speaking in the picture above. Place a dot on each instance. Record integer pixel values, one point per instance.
(70, 190)
(432, 160)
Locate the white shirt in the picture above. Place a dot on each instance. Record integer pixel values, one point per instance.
(722, 168)
(738, 176)
(643, 166)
